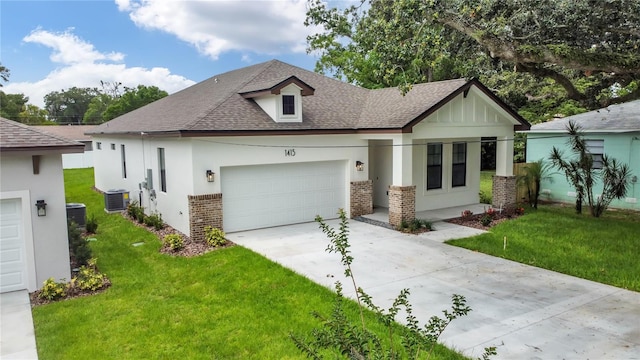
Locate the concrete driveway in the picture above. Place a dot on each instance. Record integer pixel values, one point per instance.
(526, 312)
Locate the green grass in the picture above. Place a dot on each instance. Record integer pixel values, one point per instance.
(554, 237)
(486, 183)
(227, 304)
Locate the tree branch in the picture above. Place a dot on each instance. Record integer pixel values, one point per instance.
(572, 92)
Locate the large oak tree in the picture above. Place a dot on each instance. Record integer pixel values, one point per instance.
(561, 55)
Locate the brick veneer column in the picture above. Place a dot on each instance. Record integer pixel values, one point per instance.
(402, 204)
(361, 198)
(504, 192)
(204, 210)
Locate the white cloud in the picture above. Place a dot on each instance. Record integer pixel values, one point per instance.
(68, 48)
(81, 65)
(216, 26)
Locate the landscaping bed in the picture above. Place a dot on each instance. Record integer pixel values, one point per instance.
(486, 220)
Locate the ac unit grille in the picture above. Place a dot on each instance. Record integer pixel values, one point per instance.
(116, 200)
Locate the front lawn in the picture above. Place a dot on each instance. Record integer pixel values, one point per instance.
(553, 237)
(227, 304)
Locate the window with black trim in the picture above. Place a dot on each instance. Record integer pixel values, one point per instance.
(595, 147)
(434, 166)
(459, 165)
(99, 145)
(288, 105)
(123, 157)
(113, 146)
(163, 170)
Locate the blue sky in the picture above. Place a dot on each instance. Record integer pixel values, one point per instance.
(54, 45)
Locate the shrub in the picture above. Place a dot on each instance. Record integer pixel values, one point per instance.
(78, 246)
(174, 241)
(491, 212)
(89, 278)
(414, 225)
(155, 220)
(214, 236)
(135, 211)
(52, 290)
(519, 210)
(486, 219)
(466, 214)
(485, 198)
(92, 224)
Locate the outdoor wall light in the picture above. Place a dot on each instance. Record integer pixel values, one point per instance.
(42, 207)
(210, 176)
(359, 165)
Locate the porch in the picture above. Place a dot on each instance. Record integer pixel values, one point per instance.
(381, 214)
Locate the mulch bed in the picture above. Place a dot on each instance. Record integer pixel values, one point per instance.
(191, 248)
(473, 221)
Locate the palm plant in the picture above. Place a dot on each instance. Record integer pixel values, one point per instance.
(580, 173)
(533, 175)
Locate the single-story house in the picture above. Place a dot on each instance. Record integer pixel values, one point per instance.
(614, 130)
(273, 144)
(33, 217)
(75, 133)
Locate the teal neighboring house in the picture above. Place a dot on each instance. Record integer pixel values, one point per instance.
(614, 130)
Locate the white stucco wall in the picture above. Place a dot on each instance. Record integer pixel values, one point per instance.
(50, 246)
(77, 160)
(188, 159)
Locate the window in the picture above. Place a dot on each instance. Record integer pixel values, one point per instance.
(88, 145)
(98, 145)
(288, 105)
(596, 149)
(113, 146)
(124, 161)
(434, 166)
(163, 171)
(459, 162)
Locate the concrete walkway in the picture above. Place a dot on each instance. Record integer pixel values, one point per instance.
(17, 338)
(526, 312)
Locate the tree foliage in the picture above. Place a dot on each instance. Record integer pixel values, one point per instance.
(32, 115)
(562, 54)
(4, 74)
(11, 105)
(69, 106)
(131, 99)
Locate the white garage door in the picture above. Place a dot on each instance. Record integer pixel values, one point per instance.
(261, 196)
(13, 264)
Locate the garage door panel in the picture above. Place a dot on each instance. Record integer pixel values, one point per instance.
(13, 267)
(271, 195)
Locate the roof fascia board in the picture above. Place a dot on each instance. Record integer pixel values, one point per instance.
(42, 150)
(305, 89)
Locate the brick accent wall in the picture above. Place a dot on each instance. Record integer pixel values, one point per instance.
(505, 192)
(361, 198)
(204, 210)
(402, 204)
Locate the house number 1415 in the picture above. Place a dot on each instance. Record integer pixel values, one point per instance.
(290, 152)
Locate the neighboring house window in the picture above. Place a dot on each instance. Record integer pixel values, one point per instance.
(596, 149)
(123, 156)
(459, 162)
(288, 105)
(113, 146)
(99, 145)
(163, 171)
(434, 166)
(88, 146)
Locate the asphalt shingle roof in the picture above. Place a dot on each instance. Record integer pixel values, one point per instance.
(15, 136)
(614, 118)
(71, 132)
(217, 105)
